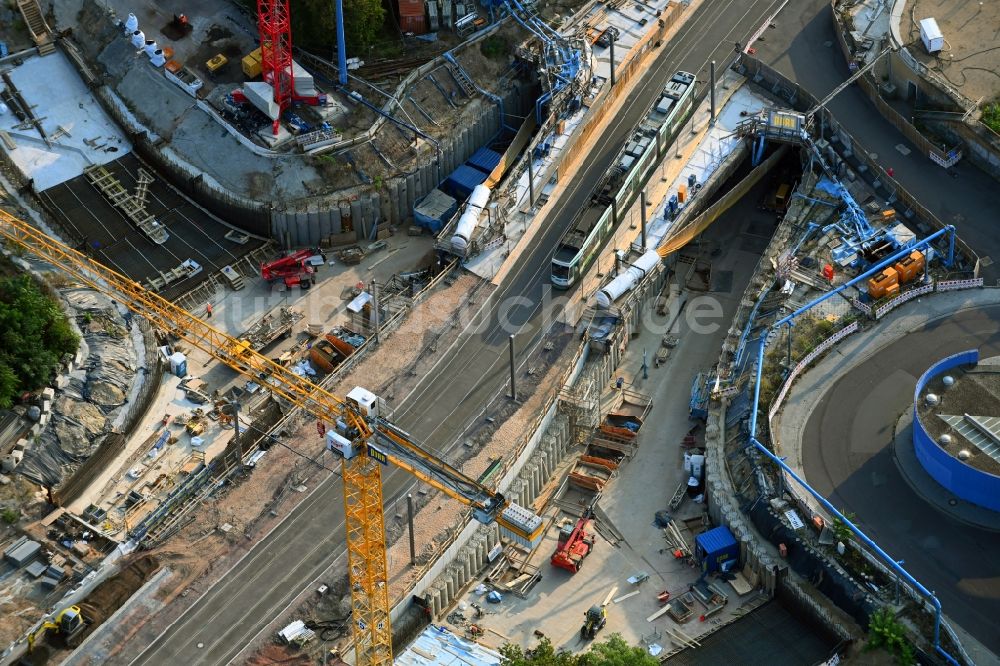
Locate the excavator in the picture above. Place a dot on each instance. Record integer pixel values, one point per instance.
(69, 623)
(367, 441)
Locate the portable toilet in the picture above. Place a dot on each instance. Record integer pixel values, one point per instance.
(178, 364)
(716, 550)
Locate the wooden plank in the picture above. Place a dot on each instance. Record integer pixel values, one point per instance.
(659, 613)
(626, 596)
(611, 593)
(494, 631)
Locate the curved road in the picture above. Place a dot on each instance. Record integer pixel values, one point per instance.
(847, 456)
(234, 611)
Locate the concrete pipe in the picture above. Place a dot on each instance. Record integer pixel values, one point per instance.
(449, 589)
(435, 595)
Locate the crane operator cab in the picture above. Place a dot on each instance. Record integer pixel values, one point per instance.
(341, 438)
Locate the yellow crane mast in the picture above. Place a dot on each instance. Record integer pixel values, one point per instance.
(371, 440)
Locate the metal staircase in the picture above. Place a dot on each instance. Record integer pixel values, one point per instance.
(39, 29)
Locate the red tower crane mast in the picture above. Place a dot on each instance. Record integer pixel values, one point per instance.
(274, 22)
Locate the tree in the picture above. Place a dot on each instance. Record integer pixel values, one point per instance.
(314, 24)
(612, 652)
(34, 336)
(616, 652)
(543, 655)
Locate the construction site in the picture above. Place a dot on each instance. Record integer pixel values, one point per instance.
(507, 329)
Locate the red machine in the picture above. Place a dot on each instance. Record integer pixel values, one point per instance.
(275, 25)
(294, 270)
(574, 545)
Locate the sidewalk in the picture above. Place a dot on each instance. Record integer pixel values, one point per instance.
(810, 389)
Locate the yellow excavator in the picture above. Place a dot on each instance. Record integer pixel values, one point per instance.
(68, 623)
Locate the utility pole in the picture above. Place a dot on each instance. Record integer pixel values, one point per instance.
(375, 309)
(612, 35)
(413, 543)
(711, 92)
(531, 182)
(513, 384)
(642, 218)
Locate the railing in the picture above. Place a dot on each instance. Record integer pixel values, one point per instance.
(905, 297)
(943, 157)
(821, 348)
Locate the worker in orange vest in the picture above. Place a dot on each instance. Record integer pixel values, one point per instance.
(208, 311)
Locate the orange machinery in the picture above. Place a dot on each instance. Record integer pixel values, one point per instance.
(910, 267)
(883, 284)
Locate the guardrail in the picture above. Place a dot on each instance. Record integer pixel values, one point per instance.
(885, 308)
(945, 158)
(955, 285)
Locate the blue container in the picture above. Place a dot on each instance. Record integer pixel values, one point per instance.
(484, 160)
(717, 550)
(672, 205)
(462, 181)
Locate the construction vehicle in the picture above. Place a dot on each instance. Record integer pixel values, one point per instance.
(68, 623)
(294, 270)
(594, 620)
(575, 544)
(369, 440)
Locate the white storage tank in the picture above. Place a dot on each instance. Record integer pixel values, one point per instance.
(131, 23)
(138, 39)
(931, 35)
(151, 47)
(628, 278)
(157, 58)
(470, 219)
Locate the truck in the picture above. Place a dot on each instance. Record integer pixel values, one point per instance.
(575, 544)
(296, 269)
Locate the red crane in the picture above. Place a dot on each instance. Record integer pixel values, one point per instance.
(574, 545)
(295, 269)
(274, 22)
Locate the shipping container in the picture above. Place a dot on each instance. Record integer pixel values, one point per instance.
(411, 16)
(717, 550)
(434, 210)
(462, 181)
(485, 160)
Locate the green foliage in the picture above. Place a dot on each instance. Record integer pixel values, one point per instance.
(991, 116)
(314, 24)
(10, 515)
(612, 652)
(840, 529)
(616, 652)
(543, 655)
(886, 632)
(34, 336)
(495, 46)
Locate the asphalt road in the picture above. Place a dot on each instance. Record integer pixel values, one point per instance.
(803, 47)
(853, 465)
(229, 616)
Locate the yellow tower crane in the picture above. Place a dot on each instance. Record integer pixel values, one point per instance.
(371, 442)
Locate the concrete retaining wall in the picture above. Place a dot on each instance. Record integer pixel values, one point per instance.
(466, 557)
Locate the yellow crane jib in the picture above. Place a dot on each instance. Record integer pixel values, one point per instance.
(362, 428)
